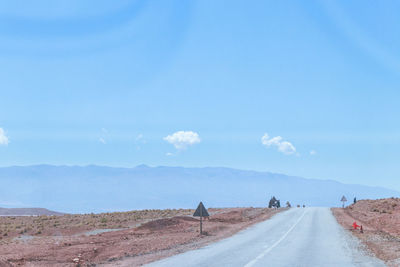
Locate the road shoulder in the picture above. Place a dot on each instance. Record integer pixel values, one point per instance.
(381, 244)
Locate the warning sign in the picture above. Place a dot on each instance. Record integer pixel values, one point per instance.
(201, 211)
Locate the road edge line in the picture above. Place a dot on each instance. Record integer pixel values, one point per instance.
(252, 262)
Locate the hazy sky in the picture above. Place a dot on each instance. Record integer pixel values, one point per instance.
(306, 88)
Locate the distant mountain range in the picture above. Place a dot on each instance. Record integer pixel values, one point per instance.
(74, 189)
(27, 212)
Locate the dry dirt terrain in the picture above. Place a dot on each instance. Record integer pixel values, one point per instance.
(136, 237)
(381, 224)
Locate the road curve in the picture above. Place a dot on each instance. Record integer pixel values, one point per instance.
(297, 237)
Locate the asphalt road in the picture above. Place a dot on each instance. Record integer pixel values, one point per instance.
(297, 237)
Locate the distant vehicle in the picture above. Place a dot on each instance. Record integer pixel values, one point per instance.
(274, 203)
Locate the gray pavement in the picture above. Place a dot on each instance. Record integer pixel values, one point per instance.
(297, 237)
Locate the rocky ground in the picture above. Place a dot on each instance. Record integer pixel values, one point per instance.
(123, 238)
(381, 224)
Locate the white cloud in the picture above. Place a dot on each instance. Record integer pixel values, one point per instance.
(3, 137)
(283, 146)
(266, 141)
(286, 147)
(139, 141)
(103, 136)
(140, 136)
(169, 154)
(313, 152)
(183, 139)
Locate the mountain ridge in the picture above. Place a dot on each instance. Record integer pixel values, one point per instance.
(94, 188)
(27, 212)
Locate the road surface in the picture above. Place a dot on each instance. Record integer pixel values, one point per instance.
(297, 237)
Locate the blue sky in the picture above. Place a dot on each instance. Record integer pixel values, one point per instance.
(95, 82)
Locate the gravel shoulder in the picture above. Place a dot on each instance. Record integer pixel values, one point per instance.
(381, 226)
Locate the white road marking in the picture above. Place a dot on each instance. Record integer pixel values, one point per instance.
(251, 263)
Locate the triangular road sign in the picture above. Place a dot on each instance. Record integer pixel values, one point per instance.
(201, 211)
(344, 199)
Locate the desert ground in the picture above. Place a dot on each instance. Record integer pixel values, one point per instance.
(381, 226)
(135, 237)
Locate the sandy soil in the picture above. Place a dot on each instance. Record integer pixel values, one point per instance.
(126, 238)
(39, 226)
(381, 224)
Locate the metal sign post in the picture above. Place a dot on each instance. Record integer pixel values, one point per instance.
(344, 199)
(201, 224)
(201, 212)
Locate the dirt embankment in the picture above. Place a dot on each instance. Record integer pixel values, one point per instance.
(127, 239)
(381, 224)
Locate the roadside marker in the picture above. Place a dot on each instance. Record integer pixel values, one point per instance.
(201, 212)
(356, 226)
(344, 199)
